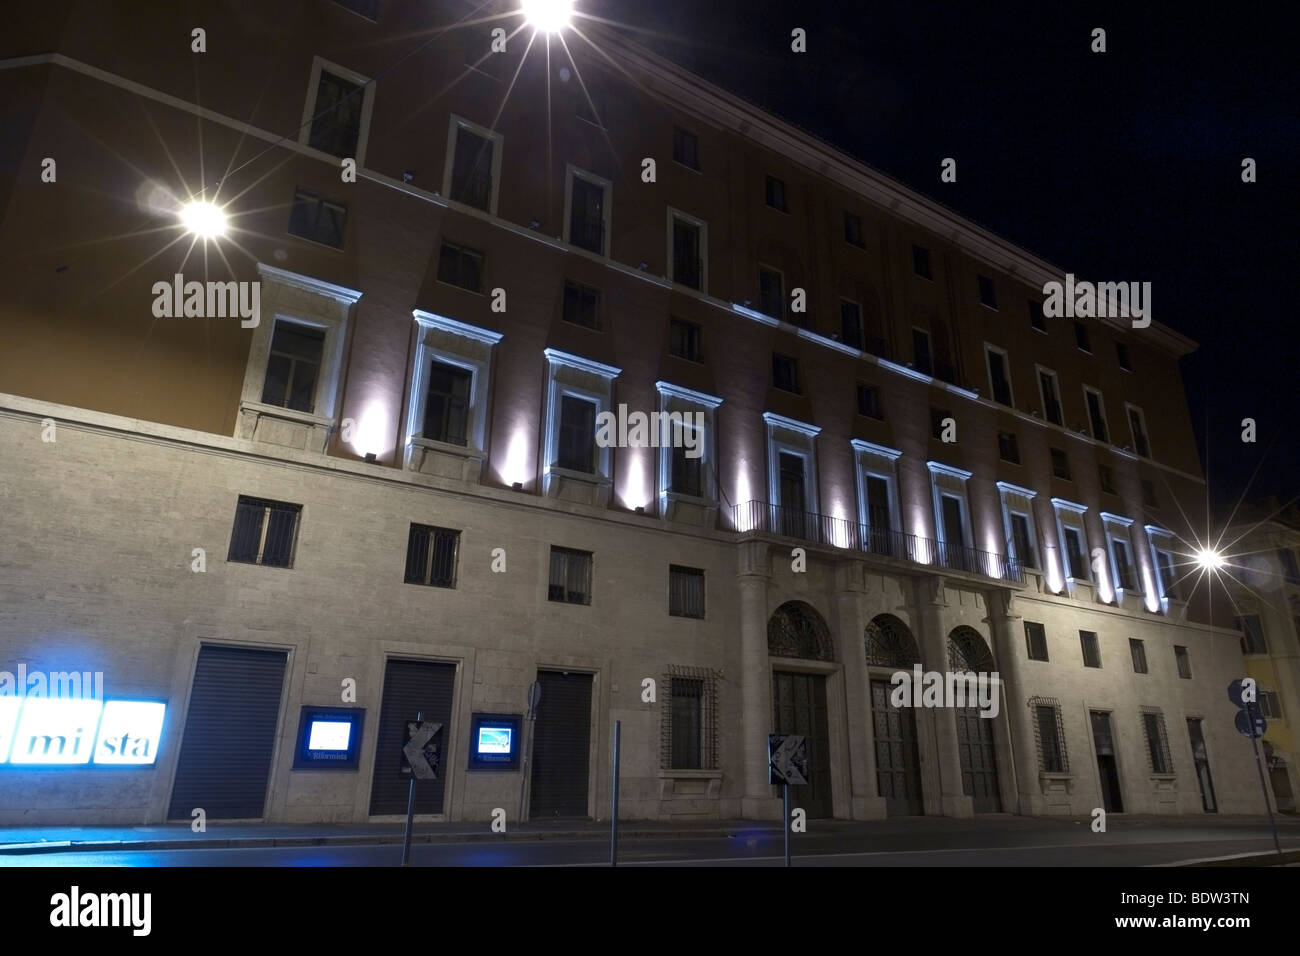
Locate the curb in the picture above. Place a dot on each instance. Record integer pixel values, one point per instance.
(1270, 858)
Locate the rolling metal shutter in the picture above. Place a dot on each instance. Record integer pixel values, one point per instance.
(411, 687)
(225, 757)
(562, 747)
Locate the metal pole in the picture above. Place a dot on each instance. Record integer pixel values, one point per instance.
(410, 808)
(613, 816)
(523, 776)
(785, 790)
(1250, 714)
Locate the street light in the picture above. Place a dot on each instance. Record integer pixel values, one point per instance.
(1209, 559)
(203, 219)
(549, 16)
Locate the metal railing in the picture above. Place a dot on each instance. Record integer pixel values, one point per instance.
(762, 516)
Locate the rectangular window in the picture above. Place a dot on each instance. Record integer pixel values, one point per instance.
(577, 450)
(1036, 640)
(1125, 576)
(1153, 723)
(1138, 651)
(987, 296)
(1008, 447)
(317, 219)
(685, 591)
(431, 556)
(851, 324)
(1184, 662)
(460, 266)
(1037, 321)
(446, 406)
(336, 115)
(1270, 704)
(921, 261)
(999, 378)
(1149, 494)
(1060, 463)
(771, 296)
(1051, 394)
(937, 416)
(776, 193)
(570, 576)
(587, 214)
(686, 148)
(869, 402)
(684, 340)
(1023, 541)
(687, 721)
(1050, 738)
(1096, 413)
(785, 373)
(1252, 641)
(265, 532)
(1081, 338)
(1091, 648)
(471, 170)
(1137, 423)
(921, 359)
(1121, 354)
(688, 254)
(688, 473)
(1106, 478)
(853, 230)
(1165, 565)
(1076, 563)
(293, 366)
(582, 305)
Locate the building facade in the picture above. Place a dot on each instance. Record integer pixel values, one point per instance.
(376, 475)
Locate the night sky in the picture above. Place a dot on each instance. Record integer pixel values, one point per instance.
(1117, 166)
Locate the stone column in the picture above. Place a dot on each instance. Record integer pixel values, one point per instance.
(1007, 638)
(930, 603)
(850, 620)
(755, 679)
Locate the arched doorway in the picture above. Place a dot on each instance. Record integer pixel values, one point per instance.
(889, 643)
(796, 630)
(968, 651)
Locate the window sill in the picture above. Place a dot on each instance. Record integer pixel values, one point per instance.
(578, 486)
(445, 460)
(283, 426)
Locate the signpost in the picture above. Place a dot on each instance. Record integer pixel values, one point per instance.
(613, 817)
(420, 760)
(787, 763)
(1251, 723)
(534, 698)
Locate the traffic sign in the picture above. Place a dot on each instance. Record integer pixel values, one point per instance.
(787, 759)
(1244, 722)
(420, 753)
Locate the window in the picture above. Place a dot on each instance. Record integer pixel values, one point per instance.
(1162, 559)
(687, 698)
(937, 417)
(474, 164)
(1081, 338)
(921, 359)
(776, 193)
(582, 305)
(688, 728)
(1022, 538)
(587, 211)
(987, 296)
(792, 474)
(1106, 478)
(785, 373)
(1060, 463)
(1125, 577)
(1270, 704)
(1252, 641)
(686, 148)
(1051, 735)
(687, 475)
(771, 296)
(1184, 662)
(1050, 391)
(1123, 573)
(1096, 413)
(1037, 321)
(293, 367)
(877, 502)
(317, 219)
(851, 324)
(1149, 494)
(1008, 448)
(460, 266)
(338, 112)
(1036, 640)
(1138, 651)
(921, 261)
(365, 8)
(1075, 560)
(1137, 424)
(999, 380)
(1289, 568)
(853, 230)
(1121, 354)
(685, 591)
(686, 465)
(869, 402)
(688, 250)
(431, 556)
(684, 339)
(1153, 724)
(570, 576)
(265, 532)
(1091, 648)
(446, 404)
(577, 449)
(952, 518)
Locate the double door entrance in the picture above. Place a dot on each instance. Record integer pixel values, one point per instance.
(799, 707)
(898, 775)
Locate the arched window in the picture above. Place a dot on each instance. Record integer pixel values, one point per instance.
(889, 643)
(968, 651)
(797, 630)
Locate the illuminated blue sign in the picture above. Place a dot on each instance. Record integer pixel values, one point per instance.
(494, 741)
(70, 732)
(329, 738)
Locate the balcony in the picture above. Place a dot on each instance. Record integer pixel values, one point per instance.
(760, 516)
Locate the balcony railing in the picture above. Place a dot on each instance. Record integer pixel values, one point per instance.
(843, 533)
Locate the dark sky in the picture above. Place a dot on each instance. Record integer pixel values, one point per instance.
(1117, 166)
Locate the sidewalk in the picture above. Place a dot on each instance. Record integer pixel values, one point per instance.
(25, 840)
